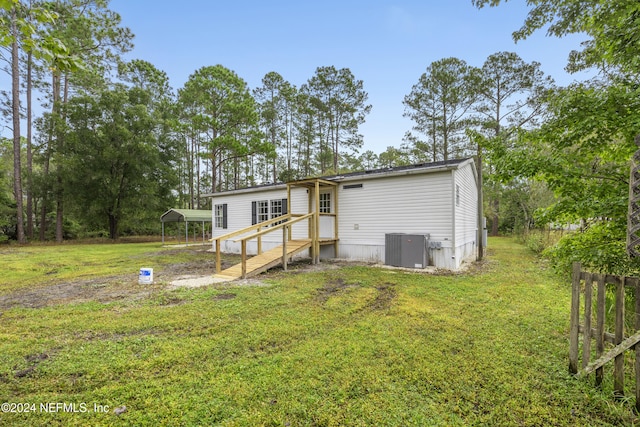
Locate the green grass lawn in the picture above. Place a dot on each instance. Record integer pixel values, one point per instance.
(353, 345)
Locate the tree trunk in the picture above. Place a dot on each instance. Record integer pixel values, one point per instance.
(336, 150)
(113, 227)
(45, 189)
(15, 101)
(59, 179)
(445, 136)
(29, 149)
(434, 141)
(214, 167)
(191, 155)
(59, 211)
(274, 143)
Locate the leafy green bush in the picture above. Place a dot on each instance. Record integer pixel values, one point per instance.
(535, 241)
(539, 240)
(600, 248)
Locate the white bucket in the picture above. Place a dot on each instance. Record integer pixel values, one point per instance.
(146, 276)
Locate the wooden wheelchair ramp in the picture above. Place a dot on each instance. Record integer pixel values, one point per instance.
(264, 261)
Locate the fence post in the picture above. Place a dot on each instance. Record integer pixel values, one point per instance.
(599, 333)
(586, 333)
(600, 313)
(618, 364)
(637, 328)
(575, 319)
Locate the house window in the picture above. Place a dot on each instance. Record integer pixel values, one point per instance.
(221, 216)
(263, 210)
(325, 202)
(276, 208)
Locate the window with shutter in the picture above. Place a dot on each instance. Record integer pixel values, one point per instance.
(221, 216)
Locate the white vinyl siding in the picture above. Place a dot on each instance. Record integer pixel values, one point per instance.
(239, 216)
(466, 213)
(401, 204)
(439, 203)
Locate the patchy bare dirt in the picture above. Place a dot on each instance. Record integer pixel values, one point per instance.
(126, 287)
(386, 294)
(102, 289)
(332, 288)
(224, 296)
(105, 289)
(33, 360)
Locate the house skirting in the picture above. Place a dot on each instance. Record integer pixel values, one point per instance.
(445, 257)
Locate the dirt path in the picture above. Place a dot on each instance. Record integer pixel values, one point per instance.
(104, 289)
(126, 287)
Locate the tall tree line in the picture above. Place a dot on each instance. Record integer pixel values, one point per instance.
(459, 110)
(583, 148)
(115, 145)
(236, 137)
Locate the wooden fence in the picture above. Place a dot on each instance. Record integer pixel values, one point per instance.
(598, 332)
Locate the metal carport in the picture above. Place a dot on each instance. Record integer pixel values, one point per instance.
(186, 216)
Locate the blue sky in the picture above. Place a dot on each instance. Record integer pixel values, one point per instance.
(387, 44)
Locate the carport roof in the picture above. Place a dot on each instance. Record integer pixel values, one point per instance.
(186, 215)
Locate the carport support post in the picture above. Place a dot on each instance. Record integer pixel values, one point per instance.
(162, 233)
(186, 233)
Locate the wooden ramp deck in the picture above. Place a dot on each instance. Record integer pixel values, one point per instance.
(266, 260)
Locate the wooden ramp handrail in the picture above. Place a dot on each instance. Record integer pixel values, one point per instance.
(252, 227)
(244, 230)
(275, 227)
(284, 226)
(286, 221)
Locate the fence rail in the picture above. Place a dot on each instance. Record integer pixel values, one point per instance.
(583, 283)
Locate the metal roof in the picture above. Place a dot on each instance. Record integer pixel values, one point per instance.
(186, 215)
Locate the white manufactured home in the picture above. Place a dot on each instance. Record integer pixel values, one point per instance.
(415, 216)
